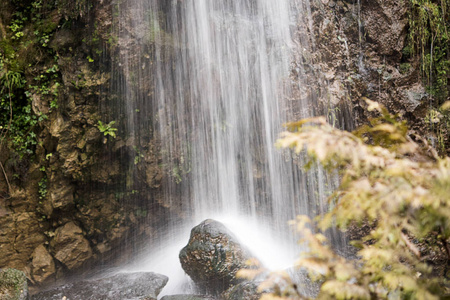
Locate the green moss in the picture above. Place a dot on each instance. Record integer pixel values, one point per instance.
(13, 283)
(405, 67)
(429, 38)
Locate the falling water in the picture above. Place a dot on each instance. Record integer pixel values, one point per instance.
(212, 79)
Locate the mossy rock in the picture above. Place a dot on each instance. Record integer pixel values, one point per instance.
(212, 257)
(13, 285)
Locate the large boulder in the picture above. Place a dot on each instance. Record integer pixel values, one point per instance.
(13, 285)
(213, 256)
(123, 286)
(70, 246)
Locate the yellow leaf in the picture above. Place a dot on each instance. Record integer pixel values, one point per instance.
(344, 290)
(446, 106)
(248, 273)
(372, 105)
(314, 264)
(253, 262)
(385, 127)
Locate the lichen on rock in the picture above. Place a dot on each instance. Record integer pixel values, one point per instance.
(13, 285)
(213, 256)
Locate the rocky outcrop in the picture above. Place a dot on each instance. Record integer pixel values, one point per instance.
(123, 286)
(13, 285)
(70, 247)
(356, 50)
(68, 202)
(213, 256)
(20, 234)
(42, 264)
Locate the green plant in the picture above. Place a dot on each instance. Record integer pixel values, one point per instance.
(405, 67)
(107, 129)
(404, 200)
(438, 121)
(429, 37)
(43, 187)
(138, 156)
(31, 28)
(12, 283)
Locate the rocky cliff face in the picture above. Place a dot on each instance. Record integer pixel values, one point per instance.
(68, 204)
(359, 49)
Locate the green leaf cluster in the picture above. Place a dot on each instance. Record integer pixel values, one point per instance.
(385, 183)
(107, 129)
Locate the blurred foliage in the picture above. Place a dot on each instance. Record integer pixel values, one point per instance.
(385, 183)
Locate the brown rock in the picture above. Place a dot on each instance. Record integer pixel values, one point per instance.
(70, 246)
(42, 265)
(20, 234)
(61, 193)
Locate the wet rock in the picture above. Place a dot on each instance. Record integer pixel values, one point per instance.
(70, 246)
(247, 290)
(414, 97)
(123, 286)
(213, 256)
(385, 24)
(42, 265)
(251, 289)
(13, 285)
(187, 297)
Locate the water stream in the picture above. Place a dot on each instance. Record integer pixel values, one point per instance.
(212, 78)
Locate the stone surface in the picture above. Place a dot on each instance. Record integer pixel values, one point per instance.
(187, 297)
(70, 247)
(213, 256)
(61, 193)
(13, 285)
(42, 265)
(20, 234)
(123, 286)
(247, 290)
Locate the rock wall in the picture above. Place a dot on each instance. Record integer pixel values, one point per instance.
(356, 51)
(67, 206)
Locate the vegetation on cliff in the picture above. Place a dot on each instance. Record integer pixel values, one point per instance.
(429, 39)
(429, 22)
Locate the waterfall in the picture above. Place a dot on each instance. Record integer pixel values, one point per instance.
(213, 80)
